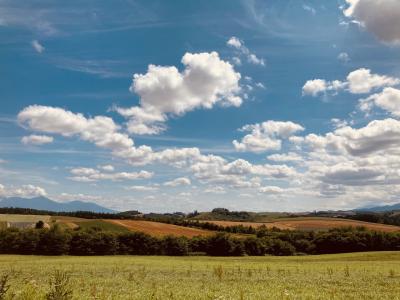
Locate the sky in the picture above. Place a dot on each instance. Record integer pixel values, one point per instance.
(164, 106)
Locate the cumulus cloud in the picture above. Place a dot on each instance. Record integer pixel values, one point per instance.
(360, 81)
(266, 136)
(25, 191)
(206, 81)
(388, 100)
(178, 182)
(377, 136)
(108, 168)
(36, 139)
(37, 46)
(238, 44)
(238, 174)
(91, 175)
(351, 174)
(271, 190)
(103, 132)
(288, 157)
(100, 130)
(380, 17)
(333, 165)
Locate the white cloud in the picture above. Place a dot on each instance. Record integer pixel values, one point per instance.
(343, 57)
(351, 174)
(238, 44)
(271, 190)
(178, 182)
(266, 136)
(100, 130)
(36, 139)
(314, 87)
(206, 81)
(237, 61)
(37, 46)
(142, 188)
(107, 168)
(380, 17)
(338, 123)
(215, 190)
(260, 85)
(24, 191)
(379, 136)
(103, 132)
(289, 157)
(360, 81)
(234, 42)
(388, 100)
(91, 175)
(310, 9)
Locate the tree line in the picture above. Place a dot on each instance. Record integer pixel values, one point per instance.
(57, 241)
(389, 218)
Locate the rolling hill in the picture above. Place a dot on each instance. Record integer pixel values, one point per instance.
(311, 223)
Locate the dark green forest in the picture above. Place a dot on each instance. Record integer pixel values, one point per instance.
(57, 241)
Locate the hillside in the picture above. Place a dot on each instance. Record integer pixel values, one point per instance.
(160, 229)
(311, 223)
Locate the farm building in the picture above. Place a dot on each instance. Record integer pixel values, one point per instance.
(21, 225)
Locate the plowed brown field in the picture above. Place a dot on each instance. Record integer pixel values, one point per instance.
(160, 229)
(312, 224)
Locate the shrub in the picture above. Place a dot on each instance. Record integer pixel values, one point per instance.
(138, 243)
(175, 246)
(280, 248)
(4, 286)
(59, 287)
(254, 246)
(223, 245)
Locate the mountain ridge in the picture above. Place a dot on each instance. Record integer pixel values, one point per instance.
(383, 208)
(43, 203)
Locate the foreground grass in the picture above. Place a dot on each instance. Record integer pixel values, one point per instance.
(347, 276)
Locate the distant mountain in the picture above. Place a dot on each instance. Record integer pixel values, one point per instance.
(380, 208)
(43, 203)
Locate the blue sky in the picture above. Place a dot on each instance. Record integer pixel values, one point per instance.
(183, 105)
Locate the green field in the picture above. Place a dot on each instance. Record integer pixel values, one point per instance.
(347, 276)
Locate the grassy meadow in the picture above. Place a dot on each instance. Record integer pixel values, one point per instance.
(370, 275)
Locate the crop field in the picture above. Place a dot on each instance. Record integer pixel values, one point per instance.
(346, 276)
(23, 218)
(160, 229)
(312, 223)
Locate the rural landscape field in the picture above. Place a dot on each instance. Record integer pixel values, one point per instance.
(205, 150)
(345, 276)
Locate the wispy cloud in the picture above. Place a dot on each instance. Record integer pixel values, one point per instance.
(310, 9)
(101, 68)
(39, 48)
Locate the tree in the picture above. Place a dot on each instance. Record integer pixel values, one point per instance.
(175, 246)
